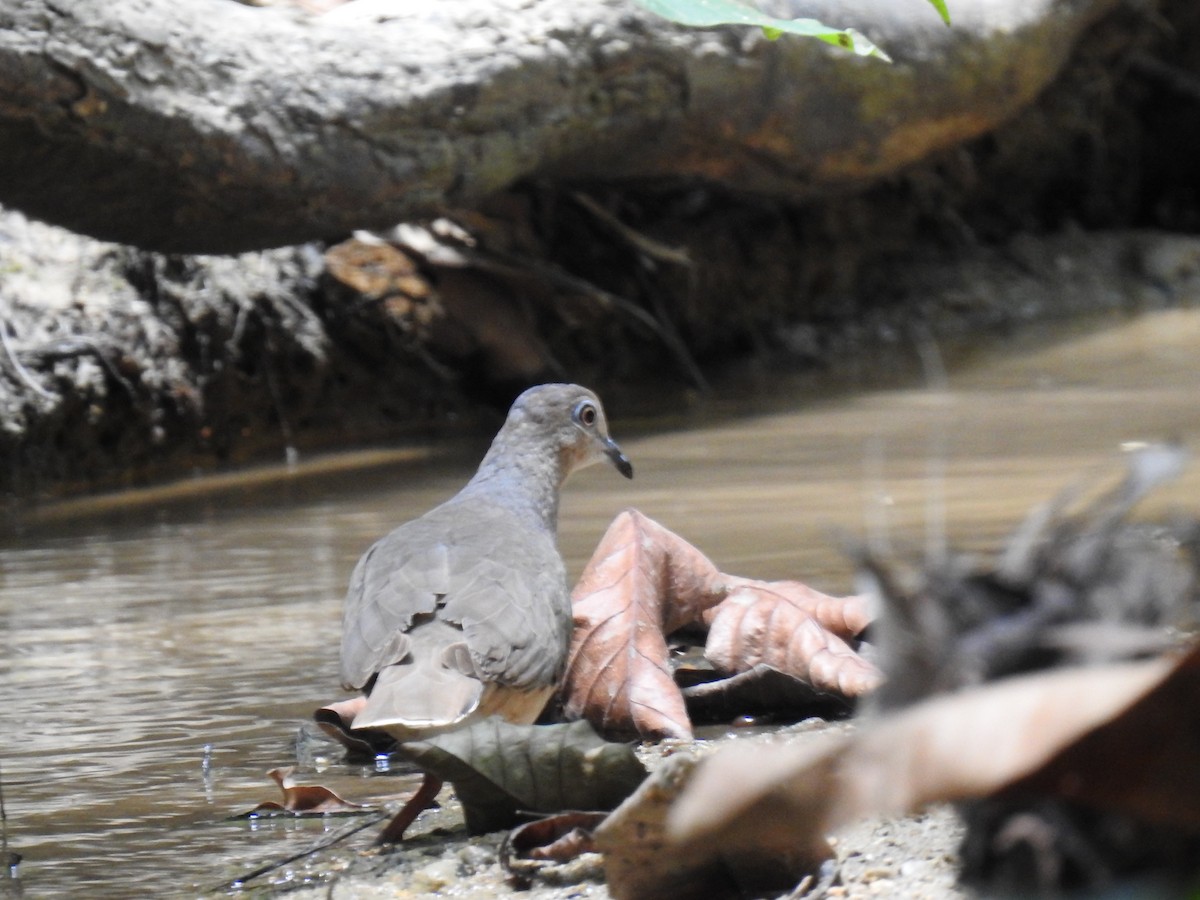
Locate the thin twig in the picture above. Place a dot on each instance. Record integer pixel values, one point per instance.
(661, 327)
(77, 345)
(316, 848)
(506, 263)
(816, 886)
(509, 264)
(657, 250)
(670, 334)
(21, 371)
(645, 245)
(9, 859)
(110, 367)
(285, 428)
(876, 507)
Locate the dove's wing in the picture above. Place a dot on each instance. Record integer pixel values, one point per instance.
(471, 566)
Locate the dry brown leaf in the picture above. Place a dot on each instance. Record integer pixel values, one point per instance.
(645, 582)
(760, 696)
(642, 583)
(1151, 748)
(305, 799)
(753, 626)
(559, 837)
(976, 743)
(574, 843)
(846, 617)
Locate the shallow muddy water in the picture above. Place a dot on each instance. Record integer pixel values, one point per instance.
(158, 658)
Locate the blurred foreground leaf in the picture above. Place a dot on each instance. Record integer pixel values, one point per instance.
(641, 864)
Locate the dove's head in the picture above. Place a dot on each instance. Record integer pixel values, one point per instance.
(570, 419)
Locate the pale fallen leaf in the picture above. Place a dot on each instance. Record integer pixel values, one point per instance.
(1141, 764)
(1078, 583)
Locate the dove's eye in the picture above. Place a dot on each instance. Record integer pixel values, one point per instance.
(585, 413)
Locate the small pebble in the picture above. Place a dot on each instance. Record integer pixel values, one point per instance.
(474, 858)
(435, 876)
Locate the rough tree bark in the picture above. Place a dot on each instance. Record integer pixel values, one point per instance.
(210, 127)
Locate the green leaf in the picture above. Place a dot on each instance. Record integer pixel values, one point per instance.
(943, 11)
(499, 770)
(707, 13)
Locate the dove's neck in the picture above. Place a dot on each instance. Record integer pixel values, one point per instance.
(523, 477)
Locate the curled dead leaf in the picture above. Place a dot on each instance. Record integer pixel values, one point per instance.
(556, 838)
(305, 799)
(1105, 752)
(644, 582)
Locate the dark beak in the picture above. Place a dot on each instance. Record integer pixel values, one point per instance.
(619, 459)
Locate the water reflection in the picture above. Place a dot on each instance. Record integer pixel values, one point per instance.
(157, 660)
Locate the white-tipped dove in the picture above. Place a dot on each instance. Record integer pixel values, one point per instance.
(464, 612)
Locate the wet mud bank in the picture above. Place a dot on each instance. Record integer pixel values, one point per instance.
(121, 368)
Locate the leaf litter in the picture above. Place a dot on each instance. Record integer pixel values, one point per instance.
(1043, 692)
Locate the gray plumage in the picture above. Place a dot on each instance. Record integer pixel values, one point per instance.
(465, 612)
